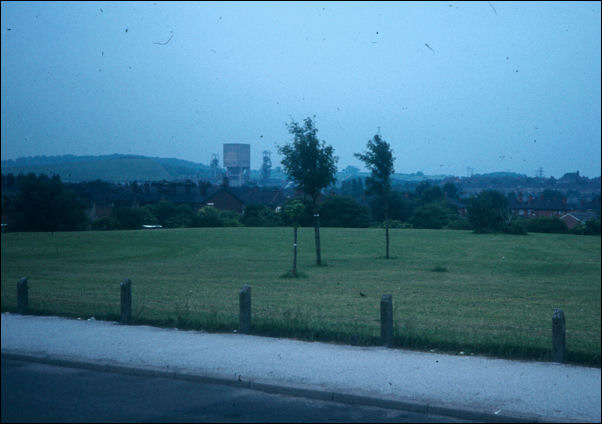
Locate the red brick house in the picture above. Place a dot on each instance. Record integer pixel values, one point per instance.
(533, 207)
(573, 219)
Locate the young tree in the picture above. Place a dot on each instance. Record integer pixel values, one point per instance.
(311, 165)
(294, 211)
(379, 160)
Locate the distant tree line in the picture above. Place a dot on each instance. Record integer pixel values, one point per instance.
(43, 203)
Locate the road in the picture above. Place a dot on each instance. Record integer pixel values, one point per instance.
(34, 392)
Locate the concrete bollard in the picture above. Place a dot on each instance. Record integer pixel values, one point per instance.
(386, 320)
(558, 336)
(244, 317)
(22, 296)
(126, 301)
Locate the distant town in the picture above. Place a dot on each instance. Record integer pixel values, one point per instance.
(107, 182)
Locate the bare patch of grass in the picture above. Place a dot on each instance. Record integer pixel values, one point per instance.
(439, 268)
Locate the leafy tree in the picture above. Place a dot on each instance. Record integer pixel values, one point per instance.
(44, 204)
(421, 187)
(452, 191)
(434, 215)
(311, 165)
(488, 211)
(305, 218)
(431, 194)
(182, 217)
(129, 218)
(343, 211)
(379, 160)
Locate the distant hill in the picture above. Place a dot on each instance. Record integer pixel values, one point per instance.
(501, 175)
(112, 168)
(119, 168)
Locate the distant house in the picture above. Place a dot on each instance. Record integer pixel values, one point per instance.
(573, 219)
(197, 197)
(533, 207)
(224, 199)
(272, 198)
(102, 198)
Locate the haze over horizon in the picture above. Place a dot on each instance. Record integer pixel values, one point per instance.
(492, 86)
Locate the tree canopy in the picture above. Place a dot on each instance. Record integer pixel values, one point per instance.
(488, 211)
(379, 161)
(307, 161)
(44, 204)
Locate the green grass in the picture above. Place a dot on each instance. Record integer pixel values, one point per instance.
(452, 290)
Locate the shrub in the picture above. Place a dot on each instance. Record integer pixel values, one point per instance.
(516, 227)
(590, 228)
(169, 215)
(260, 216)
(433, 215)
(458, 223)
(106, 224)
(230, 219)
(129, 218)
(343, 211)
(181, 220)
(488, 212)
(544, 224)
(207, 216)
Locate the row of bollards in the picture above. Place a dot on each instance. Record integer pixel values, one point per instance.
(386, 315)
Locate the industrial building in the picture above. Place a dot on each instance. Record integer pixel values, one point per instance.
(237, 161)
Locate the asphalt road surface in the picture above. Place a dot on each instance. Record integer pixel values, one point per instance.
(34, 392)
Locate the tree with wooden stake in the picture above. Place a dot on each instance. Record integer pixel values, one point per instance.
(294, 210)
(311, 165)
(379, 160)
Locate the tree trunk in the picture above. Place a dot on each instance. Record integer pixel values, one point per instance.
(317, 231)
(387, 230)
(295, 251)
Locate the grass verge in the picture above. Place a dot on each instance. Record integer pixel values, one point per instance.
(453, 291)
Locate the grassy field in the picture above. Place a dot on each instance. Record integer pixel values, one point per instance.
(453, 291)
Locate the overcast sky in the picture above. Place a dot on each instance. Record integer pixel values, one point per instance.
(494, 86)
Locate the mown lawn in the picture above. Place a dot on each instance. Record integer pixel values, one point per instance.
(452, 291)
